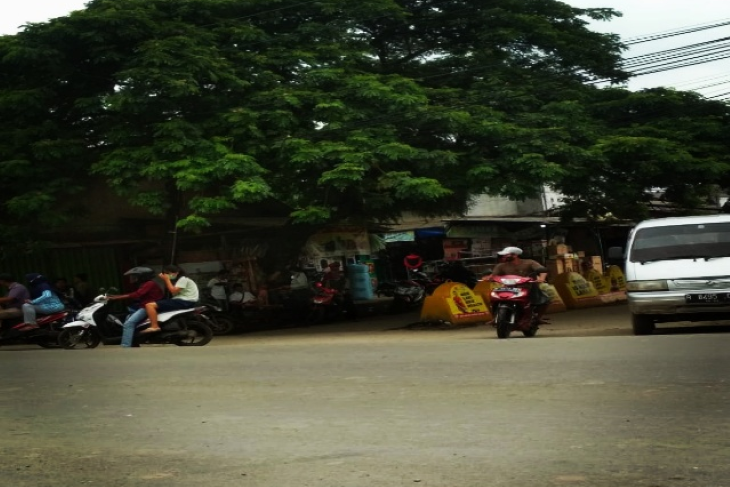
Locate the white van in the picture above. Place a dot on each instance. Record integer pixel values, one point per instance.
(678, 269)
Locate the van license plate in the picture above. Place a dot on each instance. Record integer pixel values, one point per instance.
(707, 298)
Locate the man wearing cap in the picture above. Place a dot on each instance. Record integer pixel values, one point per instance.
(513, 265)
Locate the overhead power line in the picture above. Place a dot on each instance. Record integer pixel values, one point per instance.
(674, 33)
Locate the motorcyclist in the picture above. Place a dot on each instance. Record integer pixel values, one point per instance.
(12, 303)
(184, 291)
(43, 300)
(148, 291)
(334, 278)
(513, 265)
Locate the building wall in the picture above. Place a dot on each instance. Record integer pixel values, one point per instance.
(500, 206)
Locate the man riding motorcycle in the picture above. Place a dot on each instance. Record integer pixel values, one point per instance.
(148, 291)
(514, 265)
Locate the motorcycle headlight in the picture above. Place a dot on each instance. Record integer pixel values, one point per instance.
(646, 286)
(509, 282)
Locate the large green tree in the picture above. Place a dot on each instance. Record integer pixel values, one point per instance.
(340, 110)
(655, 144)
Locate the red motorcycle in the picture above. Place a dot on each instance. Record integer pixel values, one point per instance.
(512, 306)
(44, 334)
(329, 305)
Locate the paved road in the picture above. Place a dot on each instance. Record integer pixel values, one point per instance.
(582, 404)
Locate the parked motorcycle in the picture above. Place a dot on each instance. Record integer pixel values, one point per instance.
(406, 294)
(222, 322)
(329, 304)
(512, 307)
(452, 271)
(96, 324)
(45, 334)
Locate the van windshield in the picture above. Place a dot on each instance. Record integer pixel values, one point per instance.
(698, 240)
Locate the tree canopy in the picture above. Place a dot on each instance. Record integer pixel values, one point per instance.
(339, 110)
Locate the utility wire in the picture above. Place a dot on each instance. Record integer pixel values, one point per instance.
(674, 33)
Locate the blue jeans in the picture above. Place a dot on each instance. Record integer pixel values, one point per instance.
(130, 325)
(31, 310)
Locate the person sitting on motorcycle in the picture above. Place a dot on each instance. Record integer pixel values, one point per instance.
(148, 291)
(185, 295)
(513, 265)
(217, 288)
(65, 293)
(334, 278)
(42, 299)
(12, 304)
(241, 297)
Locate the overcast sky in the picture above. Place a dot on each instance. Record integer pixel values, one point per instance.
(641, 18)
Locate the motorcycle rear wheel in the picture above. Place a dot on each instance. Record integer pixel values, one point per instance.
(48, 342)
(221, 325)
(315, 316)
(201, 334)
(532, 331)
(504, 327)
(70, 338)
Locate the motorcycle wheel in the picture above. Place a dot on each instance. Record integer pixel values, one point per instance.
(315, 316)
(48, 342)
(201, 334)
(222, 326)
(503, 325)
(530, 332)
(72, 337)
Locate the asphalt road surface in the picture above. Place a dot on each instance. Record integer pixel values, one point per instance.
(377, 403)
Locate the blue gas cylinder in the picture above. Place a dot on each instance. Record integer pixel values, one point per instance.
(361, 286)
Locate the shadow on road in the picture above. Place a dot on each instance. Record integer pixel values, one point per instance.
(704, 328)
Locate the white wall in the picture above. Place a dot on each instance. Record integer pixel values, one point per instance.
(495, 206)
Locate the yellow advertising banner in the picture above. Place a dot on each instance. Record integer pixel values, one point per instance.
(556, 302)
(617, 279)
(455, 303)
(600, 282)
(463, 302)
(576, 291)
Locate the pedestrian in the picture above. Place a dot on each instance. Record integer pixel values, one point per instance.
(12, 303)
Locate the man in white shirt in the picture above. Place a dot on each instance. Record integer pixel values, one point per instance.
(217, 287)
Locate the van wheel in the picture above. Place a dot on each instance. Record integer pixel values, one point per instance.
(642, 324)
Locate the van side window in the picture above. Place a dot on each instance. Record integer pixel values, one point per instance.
(705, 240)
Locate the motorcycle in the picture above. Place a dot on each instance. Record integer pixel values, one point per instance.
(512, 307)
(407, 294)
(222, 322)
(452, 271)
(96, 324)
(45, 334)
(329, 304)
